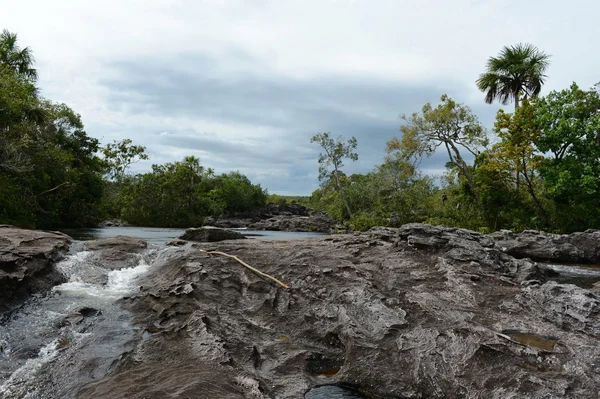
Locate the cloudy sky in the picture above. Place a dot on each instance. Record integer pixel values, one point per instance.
(244, 84)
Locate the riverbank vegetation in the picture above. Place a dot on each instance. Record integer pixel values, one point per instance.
(539, 168)
(53, 174)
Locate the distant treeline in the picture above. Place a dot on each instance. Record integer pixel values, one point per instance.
(52, 174)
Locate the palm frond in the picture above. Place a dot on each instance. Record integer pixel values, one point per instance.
(517, 69)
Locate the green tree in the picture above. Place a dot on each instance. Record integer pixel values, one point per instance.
(451, 126)
(569, 121)
(519, 133)
(18, 60)
(517, 71)
(119, 155)
(332, 160)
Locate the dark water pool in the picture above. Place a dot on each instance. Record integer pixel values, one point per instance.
(160, 235)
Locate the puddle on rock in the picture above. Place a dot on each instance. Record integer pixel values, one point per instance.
(318, 364)
(333, 392)
(537, 341)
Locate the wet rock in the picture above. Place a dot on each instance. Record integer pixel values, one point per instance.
(26, 259)
(116, 252)
(210, 234)
(113, 223)
(420, 311)
(79, 315)
(176, 243)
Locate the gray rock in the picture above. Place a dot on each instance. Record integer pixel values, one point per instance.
(317, 222)
(210, 234)
(116, 252)
(26, 259)
(176, 243)
(113, 223)
(292, 217)
(581, 247)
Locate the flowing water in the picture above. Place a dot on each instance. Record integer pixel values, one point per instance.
(78, 321)
(58, 342)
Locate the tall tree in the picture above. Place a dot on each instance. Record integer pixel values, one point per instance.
(517, 71)
(451, 126)
(18, 60)
(332, 160)
(119, 155)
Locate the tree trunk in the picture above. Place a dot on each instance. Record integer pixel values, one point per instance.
(517, 172)
(462, 166)
(534, 197)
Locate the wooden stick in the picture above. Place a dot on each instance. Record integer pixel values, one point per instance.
(255, 270)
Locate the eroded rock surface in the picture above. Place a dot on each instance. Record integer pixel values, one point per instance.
(26, 258)
(415, 312)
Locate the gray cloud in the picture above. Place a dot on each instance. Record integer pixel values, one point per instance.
(287, 111)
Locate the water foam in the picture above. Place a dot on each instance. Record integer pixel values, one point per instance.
(120, 282)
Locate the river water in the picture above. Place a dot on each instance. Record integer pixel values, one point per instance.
(160, 236)
(56, 343)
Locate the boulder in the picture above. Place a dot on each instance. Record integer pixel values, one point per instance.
(116, 252)
(26, 259)
(210, 234)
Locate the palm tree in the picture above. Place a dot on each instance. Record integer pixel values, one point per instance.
(20, 61)
(517, 71)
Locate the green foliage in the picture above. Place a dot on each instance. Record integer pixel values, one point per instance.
(15, 59)
(119, 155)
(52, 177)
(50, 174)
(518, 70)
(543, 173)
(182, 194)
(569, 121)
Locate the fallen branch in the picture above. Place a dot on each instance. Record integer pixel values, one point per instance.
(255, 270)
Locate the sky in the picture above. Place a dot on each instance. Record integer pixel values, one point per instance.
(245, 84)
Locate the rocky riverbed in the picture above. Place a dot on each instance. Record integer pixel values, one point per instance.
(414, 312)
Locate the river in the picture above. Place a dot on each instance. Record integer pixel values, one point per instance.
(160, 235)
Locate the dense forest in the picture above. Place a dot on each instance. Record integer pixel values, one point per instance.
(539, 168)
(53, 174)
